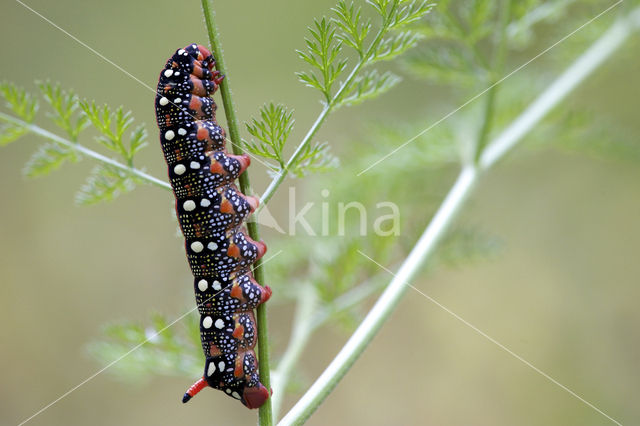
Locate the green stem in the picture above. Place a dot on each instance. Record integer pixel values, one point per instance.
(588, 62)
(84, 150)
(496, 70)
(328, 107)
(308, 318)
(302, 329)
(265, 414)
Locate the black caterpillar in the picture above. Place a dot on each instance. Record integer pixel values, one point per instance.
(211, 211)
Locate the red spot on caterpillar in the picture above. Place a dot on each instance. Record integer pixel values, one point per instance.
(214, 350)
(202, 134)
(196, 105)
(198, 87)
(226, 206)
(236, 292)
(238, 332)
(233, 250)
(216, 167)
(239, 370)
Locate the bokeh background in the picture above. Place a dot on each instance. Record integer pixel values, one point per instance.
(562, 292)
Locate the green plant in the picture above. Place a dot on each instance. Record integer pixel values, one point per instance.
(344, 53)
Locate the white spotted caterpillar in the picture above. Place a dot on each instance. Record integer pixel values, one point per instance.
(211, 211)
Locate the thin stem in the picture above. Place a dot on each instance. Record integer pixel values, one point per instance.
(589, 61)
(265, 415)
(496, 70)
(303, 326)
(84, 150)
(308, 318)
(328, 107)
(386, 303)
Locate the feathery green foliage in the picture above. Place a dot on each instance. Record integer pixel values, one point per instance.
(271, 131)
(113, 125)
(168, 349)
(48, 158)
(65, 105)
(330, 49)
(67, 112)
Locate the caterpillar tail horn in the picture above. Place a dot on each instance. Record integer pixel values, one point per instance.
(194, 389)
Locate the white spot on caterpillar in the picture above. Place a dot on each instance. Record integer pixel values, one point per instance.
(197, 246)
(181, 52)
(182, 131)
(207, 321)
(216, 285)
(177, 73)
(164, 101)
(168, 73)
(219, 323)
(202, 285)
(227, 390)
(177, 100)
(212, 246)
(169, 135)
(179, 169)
(211, 369)
(221, 366)
(235, 395)
(189, 205)
(194, 164)
(205, 202)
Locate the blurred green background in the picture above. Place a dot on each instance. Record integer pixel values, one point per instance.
(562, 293)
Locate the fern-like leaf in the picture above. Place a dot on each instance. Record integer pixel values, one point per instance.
(322, 52)
(271, 131)
(48, 158)
(113, 125)
(105, 183)
(65, 105)
(10, 132)
(18, 100)
(315, 158)
(368, 86)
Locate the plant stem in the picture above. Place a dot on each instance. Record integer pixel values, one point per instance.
(328, 107)
(303, 325)
(385, 304)
(589, 61)
(308, 318)
(496, 70)
(84, 150)
(265, 415)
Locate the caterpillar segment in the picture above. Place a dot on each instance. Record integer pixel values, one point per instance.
(211, 212)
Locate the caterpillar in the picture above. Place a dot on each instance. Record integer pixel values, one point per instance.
(211, 212)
